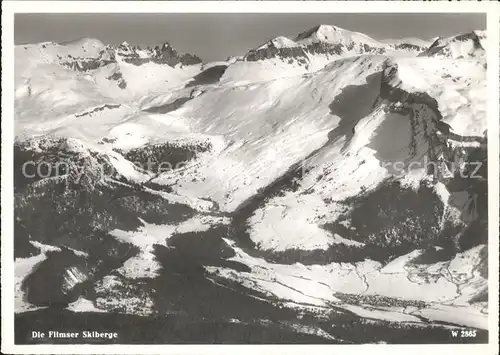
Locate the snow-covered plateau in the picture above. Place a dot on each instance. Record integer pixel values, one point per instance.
(327, 188)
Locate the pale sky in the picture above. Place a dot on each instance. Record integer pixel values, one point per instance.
(217, 36)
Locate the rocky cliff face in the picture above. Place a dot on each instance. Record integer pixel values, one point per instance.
(462, 46)
(165, 55)
(107, 59)
(339, 49)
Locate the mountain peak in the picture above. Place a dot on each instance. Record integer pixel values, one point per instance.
(325, 29)
(319, 32)
(279, 42)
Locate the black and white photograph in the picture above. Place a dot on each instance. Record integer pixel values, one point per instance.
(250, 178)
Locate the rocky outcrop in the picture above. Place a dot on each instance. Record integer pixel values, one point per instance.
(57, 281)
(58, 160)
(208, 76)
(164, 55)
(339, 49)
(288, 54)
(86, 64)
(98, 109)
(461, 46)
(319, 40)
(166, 156)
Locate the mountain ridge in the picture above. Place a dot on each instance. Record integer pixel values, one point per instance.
(327, 34)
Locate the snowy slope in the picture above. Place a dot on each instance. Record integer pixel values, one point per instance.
(335, 35)
(462, 46)
(55, 81)
(274, 130)
(310, 51)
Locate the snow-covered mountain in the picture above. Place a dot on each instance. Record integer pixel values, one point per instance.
(326, 188)
(336, 36)
(313, 50)
(465, 45)
(409, 41)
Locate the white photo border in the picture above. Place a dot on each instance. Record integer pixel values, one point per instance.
(10, 8)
